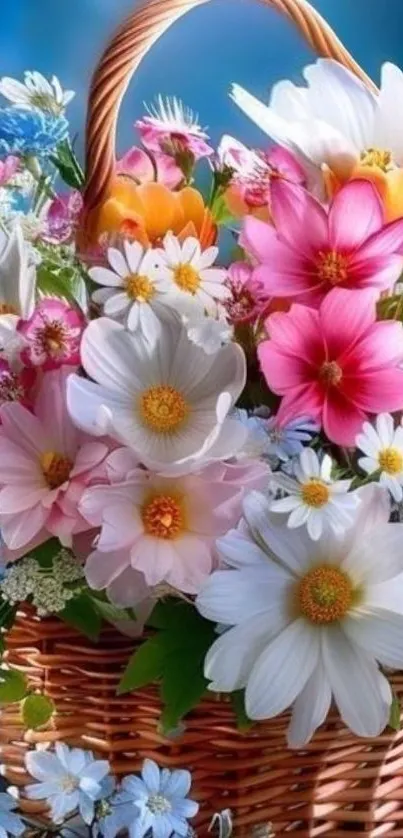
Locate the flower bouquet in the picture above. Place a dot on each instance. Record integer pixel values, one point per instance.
(201, 478)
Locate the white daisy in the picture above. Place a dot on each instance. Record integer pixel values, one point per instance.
(313, 498)
(383, 449)
(195, 284)
(310, 621)
(210, 333)
(168, 403)
(36, 92)
(133, 293)
(335, 120)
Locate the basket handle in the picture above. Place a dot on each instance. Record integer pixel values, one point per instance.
(129, 46)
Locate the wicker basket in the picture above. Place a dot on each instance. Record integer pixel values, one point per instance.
(338, 785)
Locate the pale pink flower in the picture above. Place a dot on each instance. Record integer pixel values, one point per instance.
(248, 297)
(144, 167)
(173, 129)
(8, 169)
(253, 170)
(164, 527)
(310, 251)
(52, 335)
(16, 385)
(46, 464)
(63, 217)
(336, 364)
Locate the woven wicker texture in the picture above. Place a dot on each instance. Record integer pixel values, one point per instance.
(338, 786)
(130, 45)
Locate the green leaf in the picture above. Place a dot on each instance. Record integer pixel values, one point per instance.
(36, 711)
(220, 212)
(395, 713)
(13, 686)
(144, 667)
(111, 613)
(66, 163)
(65, 282)
(238, 705)
(80, 613)
(183, 685)
(45, 553)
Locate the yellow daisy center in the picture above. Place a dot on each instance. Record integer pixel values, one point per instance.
(56, 468)
(187, 278)
(324, 595)
(330, 373)
(391, 460)
(315, 493)
(332, 267)
(139, 288)
(163, 517)
(163, 408)
(380, 158)
(6, 309)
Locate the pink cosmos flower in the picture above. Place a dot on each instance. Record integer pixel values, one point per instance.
(248, 296)
(46, 464)
(52, 335)
(8, 168)
(144, 167)
(63, 217)
(16, 386)
(173, 129)
(164, 527)
(335, 364)
(310, 251)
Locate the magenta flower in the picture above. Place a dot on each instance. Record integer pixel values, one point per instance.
(46, 464)
(8, 168)
(310, 251)
(52, 335)
(248, 296)
(173, 129)
(144, 167)
(335, 364)
(63, 217)
(16, 386)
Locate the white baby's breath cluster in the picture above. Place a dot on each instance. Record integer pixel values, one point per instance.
(46, 587)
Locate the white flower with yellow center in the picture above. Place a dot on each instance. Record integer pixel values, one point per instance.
(194, 283)
(133, 293)
(313, 498)
(310, 622)
(17, 289)
(168, 403)
(36, 92)
(383, 449)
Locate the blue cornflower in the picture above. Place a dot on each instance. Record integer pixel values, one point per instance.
(32, 132)
(10, 824)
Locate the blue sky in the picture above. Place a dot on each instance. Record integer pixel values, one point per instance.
(224, 41)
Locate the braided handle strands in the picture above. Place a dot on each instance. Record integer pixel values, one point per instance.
(129, 46)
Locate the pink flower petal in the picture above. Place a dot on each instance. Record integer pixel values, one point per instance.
(297, 333)
(89, 455)
(384, 242)
(380, 271)
(379, 391)
(282, 372)
(306, 400)
(18, 530)
(345, 315)
(299, 218)
(287, 275)
(381, 346)
(51, 410)
(21, 497)
(24, 429)
(356, 212)
(155, 557)
(342, 419)
(188, 574)
(102, 568)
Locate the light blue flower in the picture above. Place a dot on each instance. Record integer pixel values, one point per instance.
(159, 801)
(10, 824)
(288, 440)
(69, 779)
(34, 132)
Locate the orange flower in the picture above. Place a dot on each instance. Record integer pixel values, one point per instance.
(146, 212)
(374, 166)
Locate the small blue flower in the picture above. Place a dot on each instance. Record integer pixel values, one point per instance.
(32, 132)
(159, 802)
(10, 824)
(288, 440)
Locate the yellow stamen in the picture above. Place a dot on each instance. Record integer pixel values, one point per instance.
(330, 373)
(139, 288)
(390, 460)
(163, 408)
(332, 267)
(56, 468)
(379, 158)
(186, 278)
(324, 595)
(315, 493)
(163, 517)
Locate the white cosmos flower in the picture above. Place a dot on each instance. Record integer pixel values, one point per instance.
(334, 120)
(310, 621)
(194, 283)
(168, 403)
(313, 498)
(17, 285)
(36, 92)
(133, 293)
(383, 449)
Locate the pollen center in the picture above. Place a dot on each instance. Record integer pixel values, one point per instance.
(379, 158)
(315, 493)
(324, 595)
(56, 468)
(186, 278)
(332, 267)
(163, 517)
(7, 309)
(163, 409)
(52, 337)
(139, 288)
(330, 373)
(391, 460)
